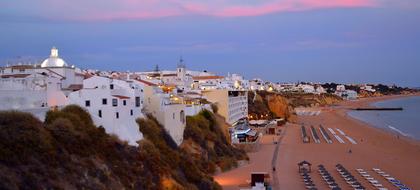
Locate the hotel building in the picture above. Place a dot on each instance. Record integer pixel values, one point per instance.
(232, 104)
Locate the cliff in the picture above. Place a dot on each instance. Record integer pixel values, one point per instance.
(310, 100)
(204, 150)
(266, 105)
(68, 152)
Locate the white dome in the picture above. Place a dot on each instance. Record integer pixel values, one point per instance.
(54, 60)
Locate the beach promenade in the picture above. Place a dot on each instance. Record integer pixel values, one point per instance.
(373, 148)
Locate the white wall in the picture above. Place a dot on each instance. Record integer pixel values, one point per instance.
(125, 126)
(169, 115)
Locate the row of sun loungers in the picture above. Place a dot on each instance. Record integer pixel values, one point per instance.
(305, 137)
(308, 113)
(328, 178)
(375, 183)
(325, 134)
(347, 137)
(349, 178)
(315, 135)
(391, 179)
(307, 180)
(339, 139)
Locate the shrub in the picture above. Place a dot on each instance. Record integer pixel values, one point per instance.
(24, 134)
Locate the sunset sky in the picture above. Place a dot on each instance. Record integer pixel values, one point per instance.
(349, 41)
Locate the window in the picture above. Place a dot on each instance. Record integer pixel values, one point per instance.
(131, 112)
(137, 101)
(173, 115)
(87, 103)
(124, 102)
(100, 113)
(111, 86)
(117, 115)
(114, 102)
(104, 101)
(182, 116)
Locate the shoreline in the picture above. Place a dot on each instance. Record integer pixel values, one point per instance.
(367, 102)
(375, 148)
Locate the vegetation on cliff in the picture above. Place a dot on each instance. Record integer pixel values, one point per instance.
(204, 149)
(68, 152)
(379, 89)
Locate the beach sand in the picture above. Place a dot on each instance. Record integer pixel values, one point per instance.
(397, 156)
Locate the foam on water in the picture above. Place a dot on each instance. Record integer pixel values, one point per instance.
(405, 122)
(398, 131)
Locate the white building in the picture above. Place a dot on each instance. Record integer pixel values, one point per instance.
(340, 88)
(38, 86)
(307, 88)
(347, 94)
(113, 104)
(320, 90)
(368, 88)
(256, 84)
(168, 109)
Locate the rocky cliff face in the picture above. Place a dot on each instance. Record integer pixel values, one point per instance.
(279, 106)
(262, 103)
(310, 100)
(282, 105)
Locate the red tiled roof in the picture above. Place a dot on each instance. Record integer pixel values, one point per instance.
(15, 76)
(75, 86)
(121, 97)
(22, 66)
(146, 82)
(169, 75)
(207, 77)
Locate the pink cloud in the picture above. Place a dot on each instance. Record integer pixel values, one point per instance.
(144, 9)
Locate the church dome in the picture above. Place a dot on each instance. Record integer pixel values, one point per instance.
(54, 60)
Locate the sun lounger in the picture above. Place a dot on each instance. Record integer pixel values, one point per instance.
(405, 188)
(377, 185)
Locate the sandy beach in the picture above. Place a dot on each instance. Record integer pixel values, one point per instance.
(375, 148)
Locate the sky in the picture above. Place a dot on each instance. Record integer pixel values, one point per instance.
(344, 41)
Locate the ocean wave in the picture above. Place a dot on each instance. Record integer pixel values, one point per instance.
(398, 131)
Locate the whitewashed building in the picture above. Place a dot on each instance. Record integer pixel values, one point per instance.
(41, 86)
(113, 104)
(256, 84)
(168, 109)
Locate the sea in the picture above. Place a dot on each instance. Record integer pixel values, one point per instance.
(405, 122)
